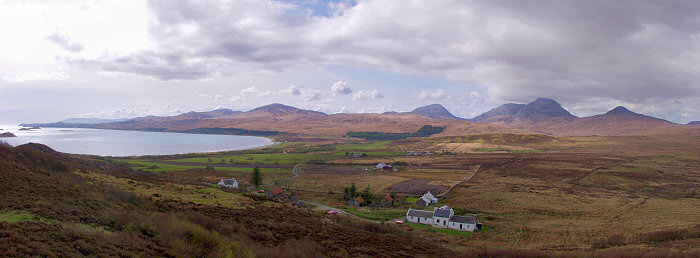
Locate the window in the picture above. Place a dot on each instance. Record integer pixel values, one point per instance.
(460, 226)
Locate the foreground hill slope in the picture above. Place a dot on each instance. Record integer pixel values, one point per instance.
(58, 205)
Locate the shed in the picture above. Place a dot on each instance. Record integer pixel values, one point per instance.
(274, 192)
(230, 183)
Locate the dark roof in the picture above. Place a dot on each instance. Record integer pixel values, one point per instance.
(276, 191)
(443, 213)
(229, 181)
(463, 219)
(420, 213)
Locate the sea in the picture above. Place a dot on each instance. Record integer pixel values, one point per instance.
(129, 143)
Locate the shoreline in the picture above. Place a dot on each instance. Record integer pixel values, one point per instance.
(270, 141)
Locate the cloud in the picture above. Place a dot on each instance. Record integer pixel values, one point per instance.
(476, 98)
(367, 94)
(64, 42)
(249, 91)
(218, 97)
(341, 87)
(438, 94)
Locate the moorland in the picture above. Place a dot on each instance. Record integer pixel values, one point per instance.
(628, 189)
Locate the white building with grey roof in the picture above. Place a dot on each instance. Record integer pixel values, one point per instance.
(443, 217)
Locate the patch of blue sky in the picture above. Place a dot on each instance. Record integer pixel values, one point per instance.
(318, 7)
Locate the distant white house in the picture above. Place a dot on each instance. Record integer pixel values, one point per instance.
(443, 217)
(231, 183)
(381, 165)
(426, 199)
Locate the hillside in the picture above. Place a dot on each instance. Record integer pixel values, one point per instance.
(59, 205)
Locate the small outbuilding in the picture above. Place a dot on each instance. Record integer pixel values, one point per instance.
(230, 183)
(357, 201)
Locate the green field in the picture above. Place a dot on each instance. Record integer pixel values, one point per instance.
(376, 214)
(16, 216)
(264, 158)
(364, 146)
(146, 165)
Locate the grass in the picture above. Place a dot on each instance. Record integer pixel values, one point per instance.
(373, 153)
(364, 146)
(11, 216)
(439, 230)
(526, 151)
(209, 195)
(376, 214)
(266, 158)
(411, 199)
(489, 149)
(159, 167)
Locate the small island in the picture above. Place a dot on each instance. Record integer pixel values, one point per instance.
(7, 134)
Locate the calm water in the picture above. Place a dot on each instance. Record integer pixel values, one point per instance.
(129, 143)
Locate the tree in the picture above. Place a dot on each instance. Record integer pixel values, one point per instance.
(209, 159)
(256, 179)
(353, 190)
(366, 194)
(230, 160)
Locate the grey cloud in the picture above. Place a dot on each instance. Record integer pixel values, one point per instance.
(577, 52)
(64, 42)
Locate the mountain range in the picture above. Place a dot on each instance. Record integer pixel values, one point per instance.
(542, 115)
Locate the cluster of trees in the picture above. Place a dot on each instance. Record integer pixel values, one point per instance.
(424, 131)
(351, 192)
(352, 155)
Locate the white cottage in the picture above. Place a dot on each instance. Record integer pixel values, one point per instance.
(426, 199)
(419, 216)
(230, 183)
(443, 217)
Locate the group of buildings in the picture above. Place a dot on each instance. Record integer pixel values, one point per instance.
(443, 217)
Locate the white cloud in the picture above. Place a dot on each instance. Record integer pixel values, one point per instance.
(367, 94)
(341, 87)
(249, 91)
(218, 97)
(476, 98)
(438, 94)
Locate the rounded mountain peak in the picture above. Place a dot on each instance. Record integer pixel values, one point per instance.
(620, 111)
(433, 111)
(543, 106)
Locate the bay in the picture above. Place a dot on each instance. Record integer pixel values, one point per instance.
(129, 143)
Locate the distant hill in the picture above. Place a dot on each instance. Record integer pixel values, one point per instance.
(92, 121)
(436, 111)
(503, 111)
(277, 109)
(694, 123)
(549, 117)
(543, 108)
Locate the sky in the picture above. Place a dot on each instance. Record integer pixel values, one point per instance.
(116, 59)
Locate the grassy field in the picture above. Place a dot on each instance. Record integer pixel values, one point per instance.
(266, 158)
(376, 214)
(381, 145)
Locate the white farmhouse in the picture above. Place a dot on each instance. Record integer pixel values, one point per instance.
(381, 165)
(426, 199)
(443, 217)
(419, 216)
(231, 183)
